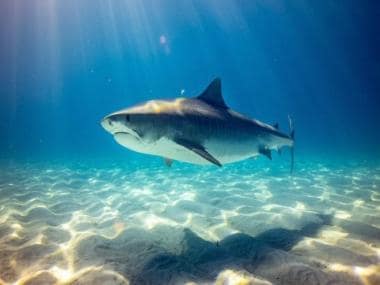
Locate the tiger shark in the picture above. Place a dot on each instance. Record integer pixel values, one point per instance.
(198, 130)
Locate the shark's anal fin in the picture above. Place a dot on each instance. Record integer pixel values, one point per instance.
(265, 151)
(198, 149)
(168, 161)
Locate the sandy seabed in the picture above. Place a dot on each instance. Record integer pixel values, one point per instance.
(242, 224)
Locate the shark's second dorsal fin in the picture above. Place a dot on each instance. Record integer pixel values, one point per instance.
(213, 94)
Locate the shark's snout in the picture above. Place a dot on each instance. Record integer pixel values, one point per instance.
(119, 123)
(107, 124)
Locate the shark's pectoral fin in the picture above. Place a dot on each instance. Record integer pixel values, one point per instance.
(198, 149)
(168, 161)
(206, 155)
(265, 151)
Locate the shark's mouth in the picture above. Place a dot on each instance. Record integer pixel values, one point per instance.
(129, 140)
(126, 133)
(121, 133)
(131, 132)
(129, 136)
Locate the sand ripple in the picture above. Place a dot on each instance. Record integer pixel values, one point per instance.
(153, 225)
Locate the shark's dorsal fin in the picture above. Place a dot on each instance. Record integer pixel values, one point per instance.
(213, 94)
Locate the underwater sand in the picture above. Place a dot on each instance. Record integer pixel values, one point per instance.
(242, 224)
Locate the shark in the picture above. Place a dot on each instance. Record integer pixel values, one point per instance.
(199, 130)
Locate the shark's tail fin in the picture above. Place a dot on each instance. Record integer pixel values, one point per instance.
(291, 128)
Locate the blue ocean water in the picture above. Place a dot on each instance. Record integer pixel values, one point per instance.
(78, 208)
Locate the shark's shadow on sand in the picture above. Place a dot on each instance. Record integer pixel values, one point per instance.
(267, 256)
(202, 260)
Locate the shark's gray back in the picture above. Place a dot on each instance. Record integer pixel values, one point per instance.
(198, 121)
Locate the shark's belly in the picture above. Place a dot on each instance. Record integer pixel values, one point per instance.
(222, 151)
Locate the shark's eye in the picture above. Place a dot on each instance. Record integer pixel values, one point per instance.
(127, 118)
